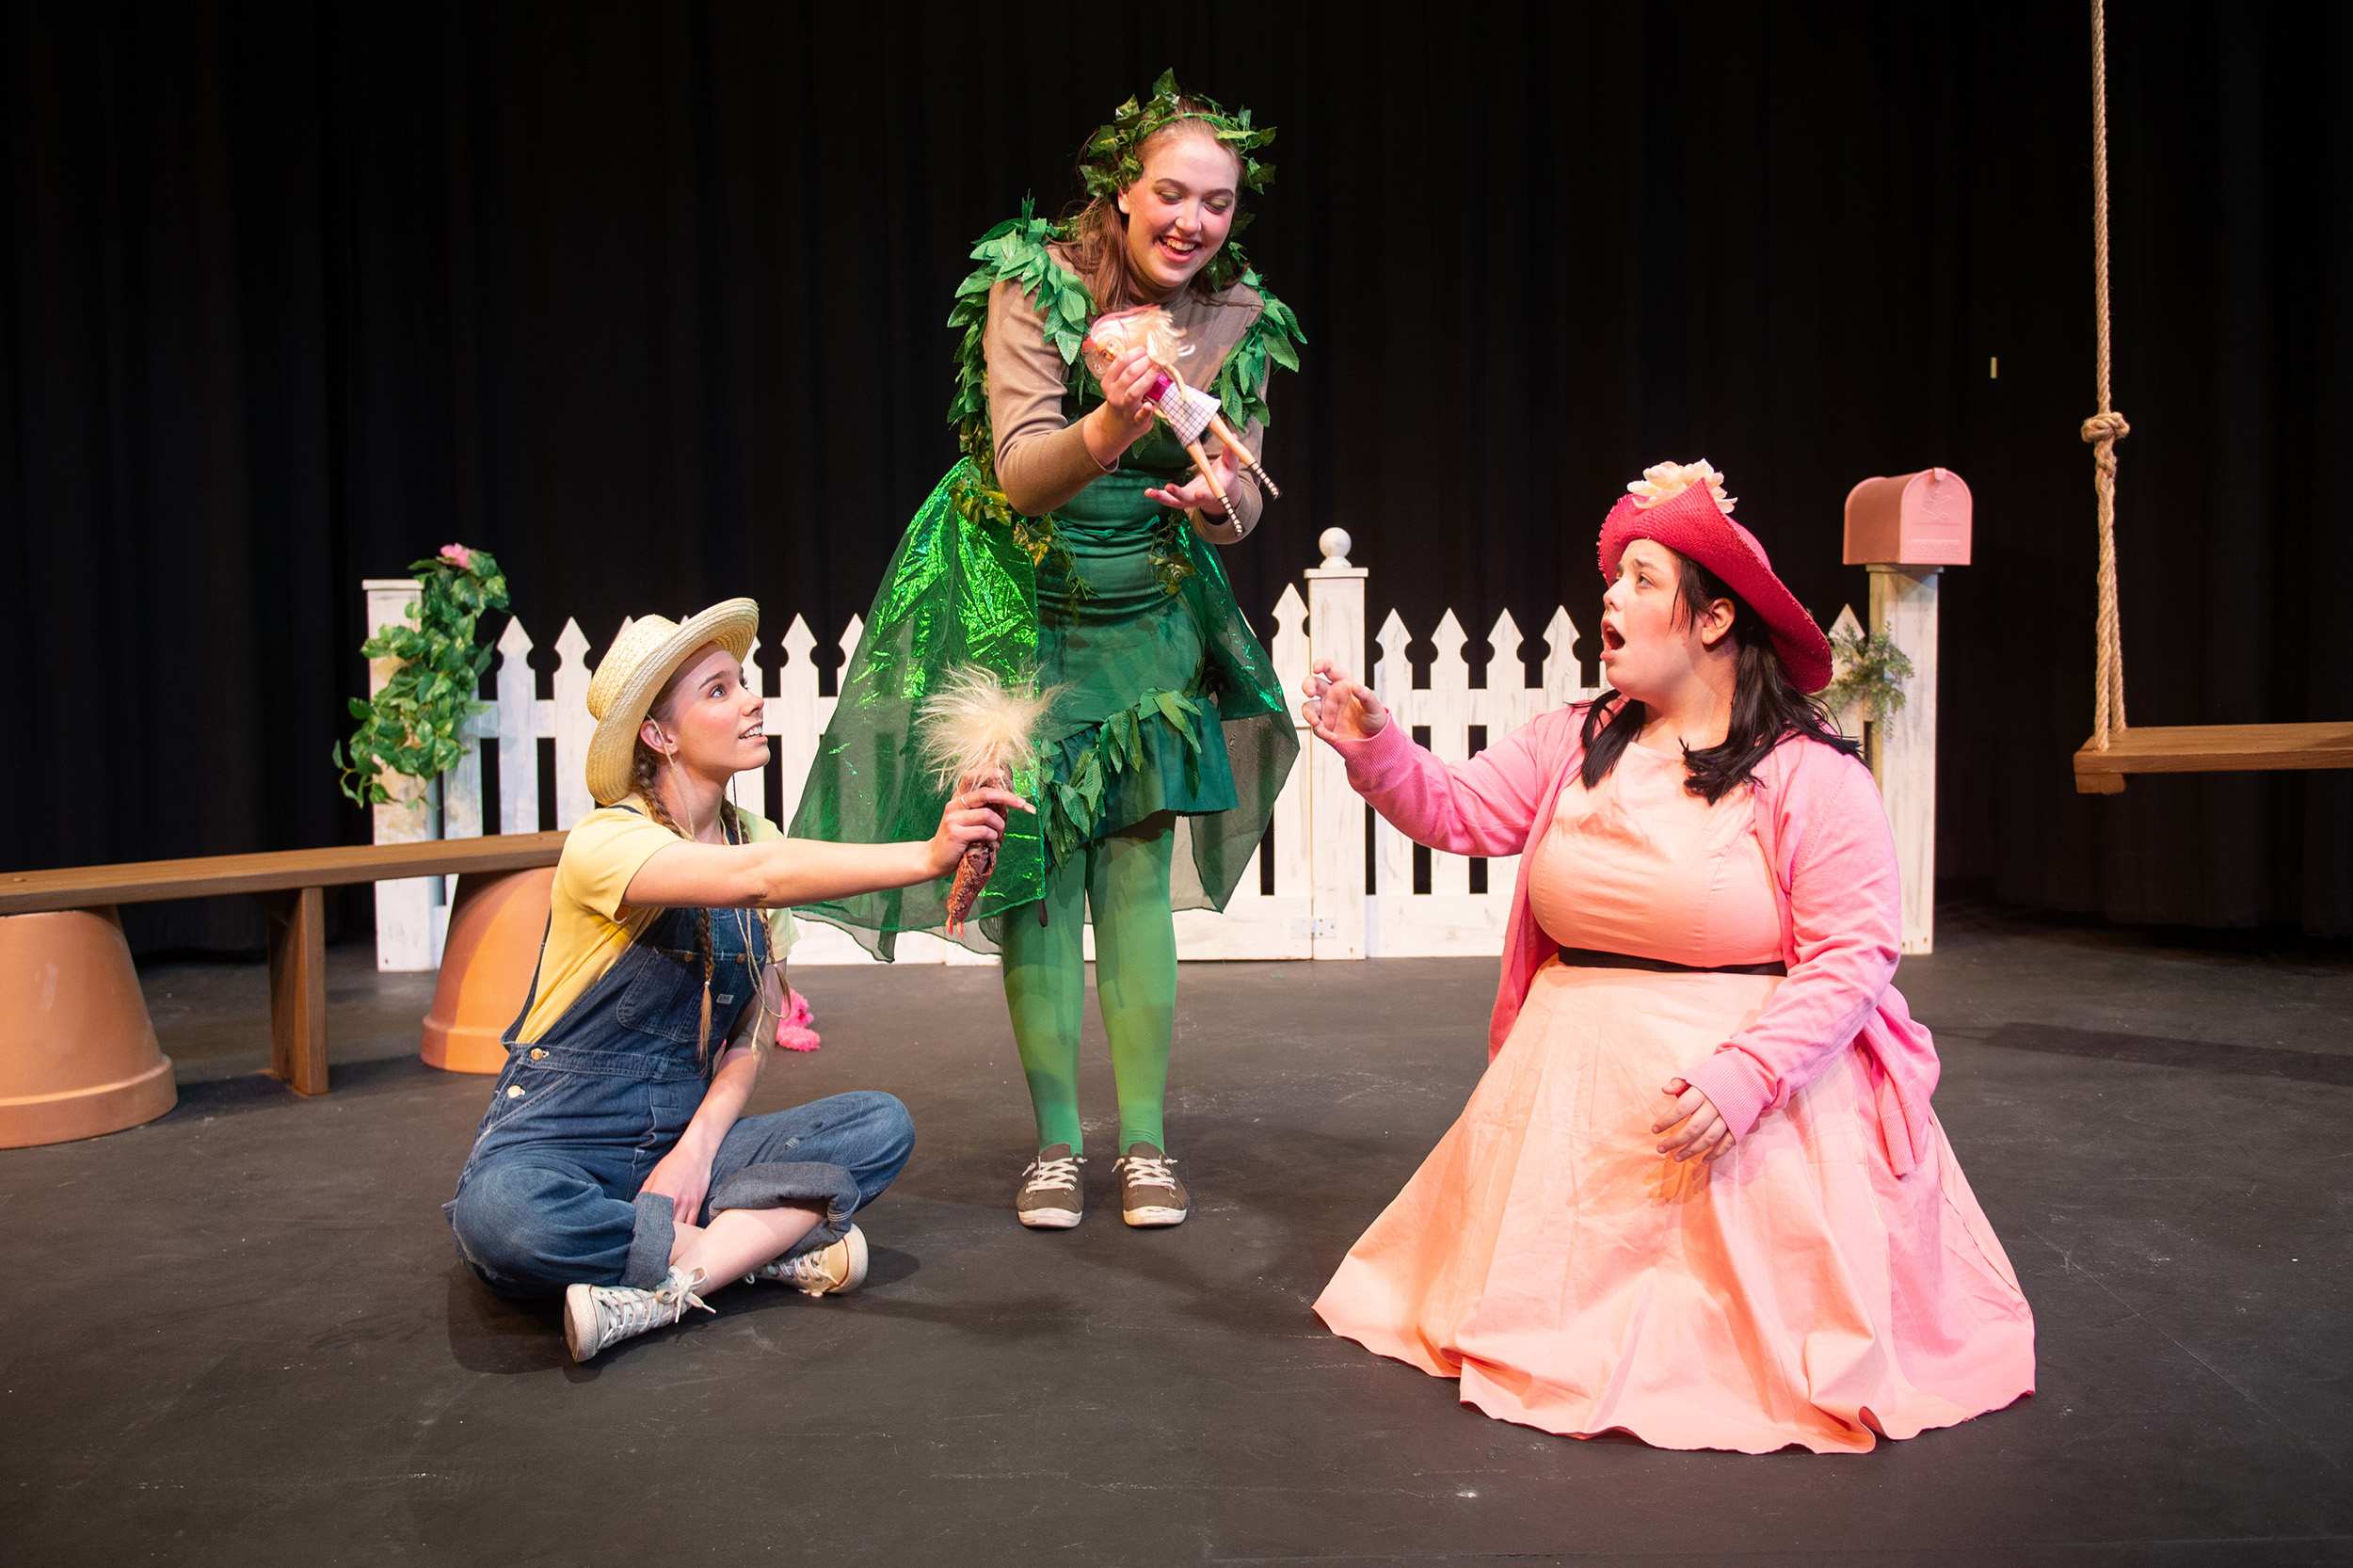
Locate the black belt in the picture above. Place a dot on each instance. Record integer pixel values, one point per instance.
(1594, 958)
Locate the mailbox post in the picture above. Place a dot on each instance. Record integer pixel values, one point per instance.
(1907, 529)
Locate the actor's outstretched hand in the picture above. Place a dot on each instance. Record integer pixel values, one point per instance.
(1702, 1133)
(1340, 707)
(1195, 492)
(974, 815)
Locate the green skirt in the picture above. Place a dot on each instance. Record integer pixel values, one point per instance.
(1164, 701)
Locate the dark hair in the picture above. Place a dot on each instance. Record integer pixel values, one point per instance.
(1098, 247)
(1766, 706)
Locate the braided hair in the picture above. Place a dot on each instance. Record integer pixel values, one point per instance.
(645, 772)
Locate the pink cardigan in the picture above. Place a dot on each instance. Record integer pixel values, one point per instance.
(1818, 816)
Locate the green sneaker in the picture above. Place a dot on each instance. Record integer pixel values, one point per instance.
(1150, 1193)
(1050, 1196)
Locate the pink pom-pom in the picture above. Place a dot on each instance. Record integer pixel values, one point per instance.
(793, 1031)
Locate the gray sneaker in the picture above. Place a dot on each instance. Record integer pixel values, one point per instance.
(1150, 1193)
(824, 1271)
(595, 1316)
(1050, 1196)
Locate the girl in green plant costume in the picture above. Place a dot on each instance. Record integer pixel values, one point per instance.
(1070, 548)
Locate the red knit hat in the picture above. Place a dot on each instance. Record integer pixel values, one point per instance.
(1684, 508)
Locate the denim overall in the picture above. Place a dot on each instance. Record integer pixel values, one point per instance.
(580, 1116)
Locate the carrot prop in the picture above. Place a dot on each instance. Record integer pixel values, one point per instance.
(1187, 410)
(977, 731)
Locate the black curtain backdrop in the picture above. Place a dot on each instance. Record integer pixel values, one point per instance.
(648, 299)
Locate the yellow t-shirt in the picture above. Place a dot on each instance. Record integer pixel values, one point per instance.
(588, 925)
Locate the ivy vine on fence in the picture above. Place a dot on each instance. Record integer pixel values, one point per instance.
(414, 725)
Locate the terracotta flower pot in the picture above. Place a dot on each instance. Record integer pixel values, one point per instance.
(78, 1055)
(486, 961)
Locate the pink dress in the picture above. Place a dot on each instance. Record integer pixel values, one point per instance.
(1796, 1291)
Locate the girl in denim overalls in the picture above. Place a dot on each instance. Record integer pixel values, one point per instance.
(615, 1166)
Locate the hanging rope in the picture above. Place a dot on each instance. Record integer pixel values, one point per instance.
(2106, 427)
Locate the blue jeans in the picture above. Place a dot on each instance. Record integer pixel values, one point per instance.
(560, 1204)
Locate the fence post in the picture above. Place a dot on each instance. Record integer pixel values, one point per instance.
(1903, 745)
(574, 726)
(792, 719)
(1392, 681)
(517, 732)
(1294, 658)
(1564, 675)
(1446, 710)
(1849, 718)
(461, 809)
(404, 909)
(1509, 703)
(1335, 814)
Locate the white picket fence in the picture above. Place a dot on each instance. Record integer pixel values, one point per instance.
(1319, 907)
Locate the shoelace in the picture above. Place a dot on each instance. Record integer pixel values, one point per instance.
(809, 1269)
(1054, 1176)
(635, 1311)
(1144, 1170)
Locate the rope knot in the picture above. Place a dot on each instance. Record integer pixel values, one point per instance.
(2109, 426)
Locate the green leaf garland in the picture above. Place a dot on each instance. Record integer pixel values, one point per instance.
(1073, 807)
(413, 726)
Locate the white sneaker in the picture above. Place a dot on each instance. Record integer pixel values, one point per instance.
(595, 1316)
(826, 1271)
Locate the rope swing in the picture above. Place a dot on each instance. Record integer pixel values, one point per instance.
(2115, 748)
(2106, 427)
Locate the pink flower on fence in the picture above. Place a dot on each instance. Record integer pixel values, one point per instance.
(457, 556)
(793, 1031)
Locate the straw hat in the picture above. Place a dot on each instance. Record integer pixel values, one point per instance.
(641, 660)
(1692, 519)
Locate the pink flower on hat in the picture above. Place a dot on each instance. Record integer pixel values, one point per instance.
(457, 556)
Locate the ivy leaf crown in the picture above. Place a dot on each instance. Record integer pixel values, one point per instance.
(1112, 158)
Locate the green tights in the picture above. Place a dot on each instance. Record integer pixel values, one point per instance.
(1125, 879)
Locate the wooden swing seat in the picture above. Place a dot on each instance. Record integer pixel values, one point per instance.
(2159, 748)
(2210, 748)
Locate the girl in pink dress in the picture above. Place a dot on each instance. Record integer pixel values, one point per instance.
(1700, 1195)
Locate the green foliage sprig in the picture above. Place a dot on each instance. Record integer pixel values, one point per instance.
(411, 726)
(1871, 672)
(1170, 563)
(1112, 160)
(1273, 339)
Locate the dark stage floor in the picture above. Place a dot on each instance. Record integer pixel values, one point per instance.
(238, 1336)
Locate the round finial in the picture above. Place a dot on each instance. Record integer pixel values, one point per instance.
(1335, 543)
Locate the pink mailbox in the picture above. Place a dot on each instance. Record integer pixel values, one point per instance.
(1918, 520)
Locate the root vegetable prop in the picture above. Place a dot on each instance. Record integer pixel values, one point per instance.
(977, 731)
(1187, 410)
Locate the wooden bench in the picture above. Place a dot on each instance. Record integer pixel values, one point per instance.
(292, 884)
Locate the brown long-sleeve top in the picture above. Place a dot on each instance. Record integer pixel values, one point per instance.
(1042, 458)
